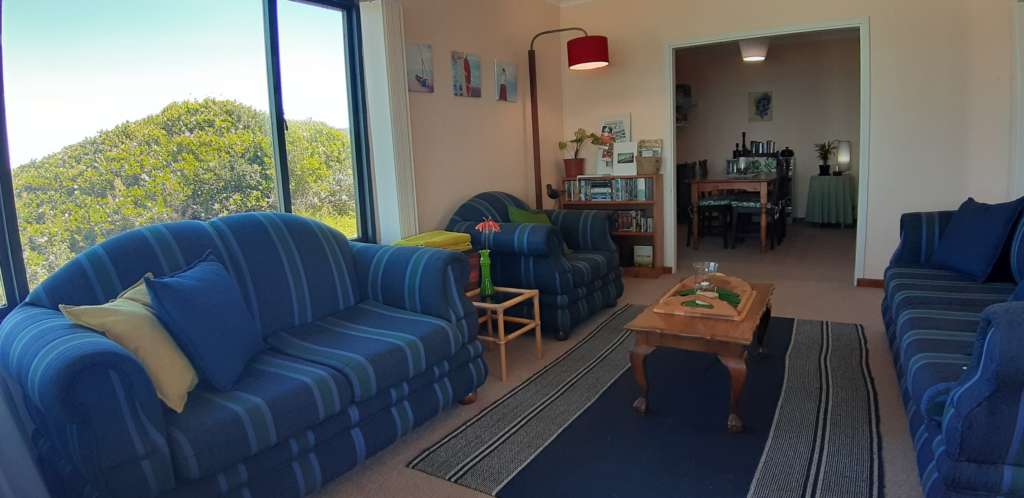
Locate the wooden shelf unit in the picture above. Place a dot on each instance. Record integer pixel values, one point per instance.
(627, 239)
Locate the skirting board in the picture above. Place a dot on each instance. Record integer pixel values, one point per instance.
(874, 283)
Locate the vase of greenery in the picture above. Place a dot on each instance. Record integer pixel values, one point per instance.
(824, 151)
(487, 226)
(575, 165)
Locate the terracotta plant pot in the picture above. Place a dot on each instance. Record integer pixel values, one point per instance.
(573, 168)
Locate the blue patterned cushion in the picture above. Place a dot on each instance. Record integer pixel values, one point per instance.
(919, 236)
(528, 239)
(276, 396)
(375, 346)
(202, 308)
(304, 462)
(585, 230)
(975, 237)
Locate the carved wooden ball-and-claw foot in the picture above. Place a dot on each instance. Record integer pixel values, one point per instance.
(640, 405)
(735, 423)
(468, 400)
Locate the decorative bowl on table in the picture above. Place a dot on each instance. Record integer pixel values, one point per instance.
(714, 295)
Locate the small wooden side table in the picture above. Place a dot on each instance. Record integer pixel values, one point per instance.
(493, 311)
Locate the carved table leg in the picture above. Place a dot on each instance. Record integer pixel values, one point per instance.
(637, 360)
(737, 367)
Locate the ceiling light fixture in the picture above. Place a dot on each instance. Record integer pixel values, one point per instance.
(754, 50)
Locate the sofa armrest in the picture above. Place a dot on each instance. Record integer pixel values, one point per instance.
(417, 279)
(91, 400)
(919, 236)
(589, 230)
(522, 239)
(981, 423)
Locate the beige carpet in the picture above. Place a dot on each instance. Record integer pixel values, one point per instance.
(813, 275)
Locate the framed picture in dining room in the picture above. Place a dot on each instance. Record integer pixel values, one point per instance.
(760, 106)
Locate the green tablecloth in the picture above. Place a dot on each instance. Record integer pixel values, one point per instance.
(830, 200)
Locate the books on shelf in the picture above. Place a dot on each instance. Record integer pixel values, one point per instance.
(603, 188)
(634, 221)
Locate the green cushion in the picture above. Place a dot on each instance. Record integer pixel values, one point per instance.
(516, 215)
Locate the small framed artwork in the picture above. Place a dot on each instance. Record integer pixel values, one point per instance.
(466, 75)
(506, 83)
(624, 159)
(419, 67)
(760, 106)
(615, 129)
(603, 160)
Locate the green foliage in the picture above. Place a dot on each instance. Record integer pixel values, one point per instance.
(194, 160)
(578, 140)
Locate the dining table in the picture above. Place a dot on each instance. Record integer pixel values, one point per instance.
(760, 183)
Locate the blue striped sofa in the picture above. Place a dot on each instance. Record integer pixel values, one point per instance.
(958, 346)
(574, 285)
(365, 342)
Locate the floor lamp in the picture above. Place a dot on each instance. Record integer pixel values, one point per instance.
(585, 52)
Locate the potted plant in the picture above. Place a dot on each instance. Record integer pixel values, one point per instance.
(824, 151)
(574, 166)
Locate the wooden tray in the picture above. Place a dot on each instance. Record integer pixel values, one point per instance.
(672, 303)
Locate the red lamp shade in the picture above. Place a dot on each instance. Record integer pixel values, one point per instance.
(588, 52)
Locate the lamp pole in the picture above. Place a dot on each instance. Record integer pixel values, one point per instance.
(538, 199)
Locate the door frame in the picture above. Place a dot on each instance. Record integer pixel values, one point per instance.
(864, 147)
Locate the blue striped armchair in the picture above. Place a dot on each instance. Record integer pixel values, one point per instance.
(575, 283)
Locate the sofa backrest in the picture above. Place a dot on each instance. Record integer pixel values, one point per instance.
(1017, 251)
(492, 205)
(291, 270)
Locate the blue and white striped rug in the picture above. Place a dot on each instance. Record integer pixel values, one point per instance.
(809, 408)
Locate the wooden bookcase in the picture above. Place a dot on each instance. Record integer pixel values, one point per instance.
(626, 240)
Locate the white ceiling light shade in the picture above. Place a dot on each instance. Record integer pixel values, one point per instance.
(754, 49)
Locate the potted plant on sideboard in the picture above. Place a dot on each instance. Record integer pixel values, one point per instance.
(824, 151)
(574, 166)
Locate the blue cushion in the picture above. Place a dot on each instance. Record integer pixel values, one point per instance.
(1018, 293)
(202, 308)
(975, 237)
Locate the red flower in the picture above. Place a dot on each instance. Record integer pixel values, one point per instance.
(488, 225)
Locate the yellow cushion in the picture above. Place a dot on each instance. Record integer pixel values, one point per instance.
(130, 323)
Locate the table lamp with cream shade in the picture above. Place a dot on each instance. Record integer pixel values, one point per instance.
(844, 156)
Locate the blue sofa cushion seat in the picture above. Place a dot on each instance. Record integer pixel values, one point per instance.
(975, 237)
(276, 396)
(373, 345)
(590, 266)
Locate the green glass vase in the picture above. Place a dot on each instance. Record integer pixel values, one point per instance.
(486, 284)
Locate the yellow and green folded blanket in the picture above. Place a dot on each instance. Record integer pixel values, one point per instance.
(439, 239)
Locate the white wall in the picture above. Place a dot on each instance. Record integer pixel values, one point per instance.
(940, 82)
(463, 146)
(815, 85)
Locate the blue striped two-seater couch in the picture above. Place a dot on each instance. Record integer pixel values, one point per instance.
(958, 346)
(365, 342)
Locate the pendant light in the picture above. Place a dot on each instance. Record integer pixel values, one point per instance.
(754, 49)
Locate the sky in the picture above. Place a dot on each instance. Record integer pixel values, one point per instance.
(74, 68)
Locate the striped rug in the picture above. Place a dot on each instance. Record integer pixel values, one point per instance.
(809, 408)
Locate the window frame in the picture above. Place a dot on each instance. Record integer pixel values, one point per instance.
(13, 272)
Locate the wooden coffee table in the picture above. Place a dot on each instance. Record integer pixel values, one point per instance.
(730, 340)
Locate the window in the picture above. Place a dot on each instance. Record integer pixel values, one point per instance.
(124, 113)
(314, 86)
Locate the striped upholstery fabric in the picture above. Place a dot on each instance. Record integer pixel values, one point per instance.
(573, 286)
(373, 345)
(919, 236)
(302, 413)
(958, 349)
